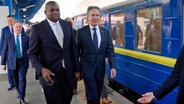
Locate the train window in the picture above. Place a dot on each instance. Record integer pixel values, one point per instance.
(84, 22)
(117, 28)
(148, 29)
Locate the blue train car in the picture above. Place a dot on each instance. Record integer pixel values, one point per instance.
(147, 35)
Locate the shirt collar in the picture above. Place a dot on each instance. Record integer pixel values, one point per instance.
(17, 34)
(51, 23)
(91, 27)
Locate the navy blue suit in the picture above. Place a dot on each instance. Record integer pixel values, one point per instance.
(18, 67)
(93, 61)
(176, 78)
(46, 52)
(5, 32)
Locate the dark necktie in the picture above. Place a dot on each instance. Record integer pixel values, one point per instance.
(12, 30)
(95, 39)
(18, 47)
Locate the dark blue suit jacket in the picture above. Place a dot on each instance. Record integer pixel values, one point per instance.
(176, 78)
(9, 48)
(93, 61)
(5, 32)
(45, 51)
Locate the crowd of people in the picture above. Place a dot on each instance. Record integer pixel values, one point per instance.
(62, 56)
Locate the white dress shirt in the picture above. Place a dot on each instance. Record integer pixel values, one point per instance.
(97, 32)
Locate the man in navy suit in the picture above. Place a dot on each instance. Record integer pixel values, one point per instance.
(53, 53)
(5, 32)
(175, 79)
(95, 45)
(16, 46)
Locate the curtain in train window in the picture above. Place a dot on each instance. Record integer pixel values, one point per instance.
(149, 29)
(117, 28)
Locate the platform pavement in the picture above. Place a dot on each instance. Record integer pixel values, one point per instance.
(35, 96)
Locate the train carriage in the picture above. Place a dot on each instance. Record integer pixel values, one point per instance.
(147, 35)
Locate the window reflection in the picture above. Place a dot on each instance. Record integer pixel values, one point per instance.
(117, 29)
(148, 29)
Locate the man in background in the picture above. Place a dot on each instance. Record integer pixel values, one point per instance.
(15, 53)
(6, 31)
(105, 84)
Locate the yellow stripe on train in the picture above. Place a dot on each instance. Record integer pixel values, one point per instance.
(147, 57)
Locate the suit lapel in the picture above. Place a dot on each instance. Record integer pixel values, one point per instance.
(64, 28)
(23, 41)
(8, 30)
(88, 37)
(102, 37)
(12, 44)
(50, 32)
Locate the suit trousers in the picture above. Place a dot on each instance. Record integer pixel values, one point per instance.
(10, 78)
(59, 93)
(93, 90)
(19, 76)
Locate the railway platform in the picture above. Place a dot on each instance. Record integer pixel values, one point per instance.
(34, 94)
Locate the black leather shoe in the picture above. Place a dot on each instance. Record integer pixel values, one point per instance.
(22, 101)
(11, 88)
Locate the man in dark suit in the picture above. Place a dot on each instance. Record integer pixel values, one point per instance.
(16, 46)
(5, 32)
(175, 79)
(95, 45)
(53, 53)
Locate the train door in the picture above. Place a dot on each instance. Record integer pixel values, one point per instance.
(117, 25)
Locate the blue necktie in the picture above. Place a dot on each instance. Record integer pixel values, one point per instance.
(18, 47)
(95, 39)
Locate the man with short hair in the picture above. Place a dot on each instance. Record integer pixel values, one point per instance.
(8, 30)
(54, 55)
(95, 45)
(15, 53)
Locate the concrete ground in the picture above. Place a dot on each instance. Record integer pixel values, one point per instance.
(35, 96)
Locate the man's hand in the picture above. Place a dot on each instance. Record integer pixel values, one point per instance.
(113, 73)
(47, 75)
(146, 98)
(3, 67)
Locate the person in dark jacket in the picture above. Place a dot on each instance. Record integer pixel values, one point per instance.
(175, 79)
